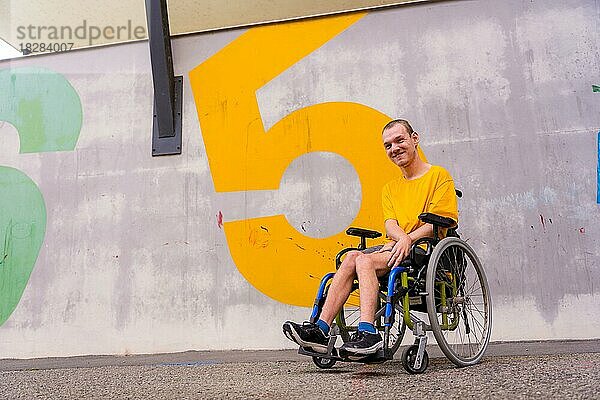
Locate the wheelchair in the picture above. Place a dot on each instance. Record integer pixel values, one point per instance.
(440, 287)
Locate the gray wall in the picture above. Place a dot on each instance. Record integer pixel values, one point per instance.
(135, 258)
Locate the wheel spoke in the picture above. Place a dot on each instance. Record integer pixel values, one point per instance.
(478, 311)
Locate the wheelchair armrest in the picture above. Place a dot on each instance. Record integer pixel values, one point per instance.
(438, 220)
(363, 234)
(360, 232)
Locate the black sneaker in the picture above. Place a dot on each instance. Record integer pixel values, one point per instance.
(306, 335)
(363, 343)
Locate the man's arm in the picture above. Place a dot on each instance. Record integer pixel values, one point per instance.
(404, 241)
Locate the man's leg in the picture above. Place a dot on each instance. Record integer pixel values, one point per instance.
(315, 336)
(340, 288)
(369, 267)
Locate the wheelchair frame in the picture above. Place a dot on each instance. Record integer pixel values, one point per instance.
(443, 289)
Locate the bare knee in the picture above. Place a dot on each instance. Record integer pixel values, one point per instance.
(364, 264)
(348, 266)
(352, 255)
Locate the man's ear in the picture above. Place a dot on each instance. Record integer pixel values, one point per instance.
(415, 136)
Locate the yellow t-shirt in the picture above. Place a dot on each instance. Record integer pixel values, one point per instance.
(404, 200)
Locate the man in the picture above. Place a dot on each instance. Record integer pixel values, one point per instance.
(421, 188)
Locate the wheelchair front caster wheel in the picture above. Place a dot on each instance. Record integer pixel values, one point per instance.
(324, 363)
(409, 356)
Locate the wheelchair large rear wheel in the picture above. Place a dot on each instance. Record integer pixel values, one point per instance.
(349, 316)
(458, 302)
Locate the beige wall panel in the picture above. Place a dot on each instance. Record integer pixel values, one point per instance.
(112, 21)
(198, 15)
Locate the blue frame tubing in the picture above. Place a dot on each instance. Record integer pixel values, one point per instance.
(316, 311)
(389, 305)
(320, 297)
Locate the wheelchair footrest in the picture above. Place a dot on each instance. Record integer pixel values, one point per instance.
(337, 355)
(377, 357)
(308, 352)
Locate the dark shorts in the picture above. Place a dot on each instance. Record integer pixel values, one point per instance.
(419, 253)
(373, 249)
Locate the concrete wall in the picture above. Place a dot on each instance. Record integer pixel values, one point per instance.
(85, 24)
(108, 250)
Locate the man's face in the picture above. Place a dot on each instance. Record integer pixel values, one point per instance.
(400, 146)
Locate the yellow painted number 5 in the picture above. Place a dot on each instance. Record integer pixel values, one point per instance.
(271, 254)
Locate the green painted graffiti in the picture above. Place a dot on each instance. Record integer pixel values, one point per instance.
(43, 107)
(22, 226)
(46, 111)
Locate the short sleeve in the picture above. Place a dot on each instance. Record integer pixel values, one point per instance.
(386, 203)
(443, 202)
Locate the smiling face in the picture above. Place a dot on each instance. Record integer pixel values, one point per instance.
(400, 145)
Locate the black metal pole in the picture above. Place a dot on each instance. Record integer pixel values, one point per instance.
(167, 87)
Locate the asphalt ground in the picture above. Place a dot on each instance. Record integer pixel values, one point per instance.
(555, 370)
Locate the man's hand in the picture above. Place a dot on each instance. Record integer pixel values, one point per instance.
(386, 247)
(400, 251)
